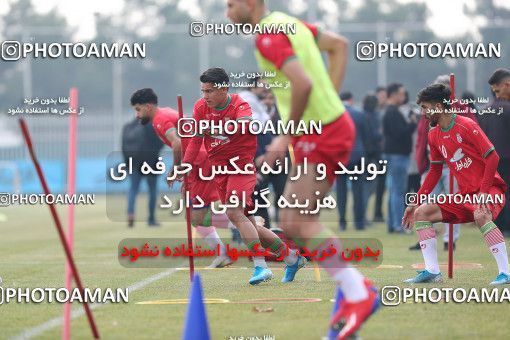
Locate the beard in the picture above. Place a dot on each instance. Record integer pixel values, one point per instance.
(144, 120)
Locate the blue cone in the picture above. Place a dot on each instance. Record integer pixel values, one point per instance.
(196, 327)
(333, 333)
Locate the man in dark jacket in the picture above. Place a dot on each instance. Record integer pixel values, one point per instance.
(358, 152)
(141, 144)
(398, 131)
(497, 126)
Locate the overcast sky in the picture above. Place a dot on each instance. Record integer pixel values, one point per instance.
(80, 13)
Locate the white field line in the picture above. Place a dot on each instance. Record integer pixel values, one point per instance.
(79, 311)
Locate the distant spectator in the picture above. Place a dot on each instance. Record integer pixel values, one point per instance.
(413, 177)
(497, 126)
(374, 146)
(382, 98)
(358, 151)
(398, 131)
(255, 97)
(141, 144)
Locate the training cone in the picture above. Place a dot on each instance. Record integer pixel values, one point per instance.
(333, 332)
(196, 327)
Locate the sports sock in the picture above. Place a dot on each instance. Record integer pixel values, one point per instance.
(258, 261)
(278, 247)
(496, 243)
(210, 235)
(349, 279)
(428, 243)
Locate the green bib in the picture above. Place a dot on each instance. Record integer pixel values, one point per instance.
(323, 104)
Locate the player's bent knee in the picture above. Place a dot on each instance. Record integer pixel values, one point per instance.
(234, 214)
(481, 219)
(420, 214)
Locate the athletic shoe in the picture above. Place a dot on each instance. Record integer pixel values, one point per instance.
(415, 246)
(353, 315)
(260, 275)
(501, 279)
(445, 246)
(290, 271)
(221, 261)
(425, 276)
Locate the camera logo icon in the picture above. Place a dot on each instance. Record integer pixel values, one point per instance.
(412, 199)
(11, 50)
(390, 295)
(197, 29)
(186, 127)
(5, 199)
(365, 50)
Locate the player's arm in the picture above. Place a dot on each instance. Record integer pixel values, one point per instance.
(301, 87)
(175, 144)
(336, 47)
(433, 176)
(485, 148)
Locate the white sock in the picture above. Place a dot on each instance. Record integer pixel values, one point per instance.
(213, 239)
(292, 257)
(429, 251)
(500, 254)
(259, 261)
(352, 284)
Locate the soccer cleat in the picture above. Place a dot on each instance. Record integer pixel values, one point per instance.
(221, 261)
(350, 316)
(501, 279)
(339, 302)
(425, 276)
(290, 271)
(260, 275)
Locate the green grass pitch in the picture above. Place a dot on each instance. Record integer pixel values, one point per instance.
(31, 256)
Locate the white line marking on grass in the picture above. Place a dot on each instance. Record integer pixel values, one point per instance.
(79, 311)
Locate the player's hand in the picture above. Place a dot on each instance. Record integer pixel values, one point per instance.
(277, 149)
(169, 177)
(408, 219)
(483, 209)
(483, 198)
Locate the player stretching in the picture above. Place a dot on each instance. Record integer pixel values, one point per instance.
(164, 121)
(296, 58)
(461, 144)
(218, 106)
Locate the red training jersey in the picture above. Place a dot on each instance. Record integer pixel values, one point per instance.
(164, 121)
(277, 47)
(221, 148)
(463, 146)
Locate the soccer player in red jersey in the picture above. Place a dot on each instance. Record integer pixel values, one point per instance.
(295, 59)
(461, 144)
(164, 121)
(218, 106)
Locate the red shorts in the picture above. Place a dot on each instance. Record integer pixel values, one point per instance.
(243, 186)
(464, 213)
(332, 146)
(206, 190)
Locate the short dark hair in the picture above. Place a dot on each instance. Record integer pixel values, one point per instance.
(393, 88)
(215, 75)
(144, 96)
(346, 95)
(379, 89)
(498, 76)
(370, 103)
(435, 93)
